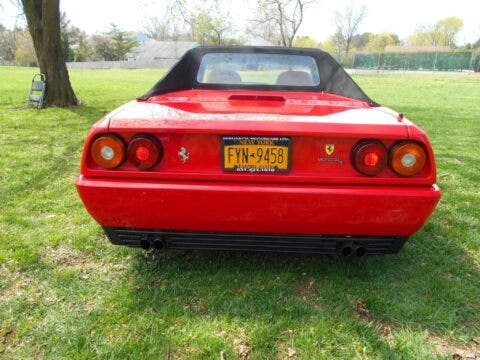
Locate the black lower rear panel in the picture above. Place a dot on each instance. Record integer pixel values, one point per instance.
(316, 244)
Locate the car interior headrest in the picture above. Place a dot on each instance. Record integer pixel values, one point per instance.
(224, 77)
(294, 78)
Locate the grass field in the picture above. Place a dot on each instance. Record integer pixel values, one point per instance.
(66, 292)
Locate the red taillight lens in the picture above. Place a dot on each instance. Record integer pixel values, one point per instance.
(108, 151)
(144, 151)
(407, 158)
(369, 157)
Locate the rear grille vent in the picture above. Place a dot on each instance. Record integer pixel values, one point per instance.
(251, 242)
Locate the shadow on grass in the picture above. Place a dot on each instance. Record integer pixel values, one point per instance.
(41, 168)
(431, 285)
(91, 113)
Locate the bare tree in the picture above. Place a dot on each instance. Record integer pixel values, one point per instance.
(347, 23)
(43, 19)
(187, 14)
(278, 21)
(158, 28)
(264, 30)
(7, 44)
(208, 23)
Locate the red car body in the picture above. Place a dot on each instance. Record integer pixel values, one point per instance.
(322, 204)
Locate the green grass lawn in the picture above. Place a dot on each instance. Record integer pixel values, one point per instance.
(66, 292)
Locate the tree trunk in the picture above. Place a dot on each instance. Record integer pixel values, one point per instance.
(43, 18)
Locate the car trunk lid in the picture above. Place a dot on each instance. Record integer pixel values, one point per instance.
(322, 130)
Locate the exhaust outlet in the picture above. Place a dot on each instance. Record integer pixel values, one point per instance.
(346, 251)
(158, 244)
(144, 244)
(360, 251)
(351, 250)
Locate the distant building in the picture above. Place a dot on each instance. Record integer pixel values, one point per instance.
(151, 54)
(416, 49)
(153, 51)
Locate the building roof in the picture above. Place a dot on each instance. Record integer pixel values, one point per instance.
(160, 50)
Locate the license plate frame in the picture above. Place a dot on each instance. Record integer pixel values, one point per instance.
(245, 143)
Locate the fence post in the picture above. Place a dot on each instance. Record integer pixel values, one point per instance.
(378, 64)
(405, 63)
(472, 59)
(435, 61)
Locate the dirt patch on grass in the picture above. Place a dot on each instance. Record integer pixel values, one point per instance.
(286, 352)
(307, 291)
(76, 260)
(19, 283)
(448, 348)
(6, 331)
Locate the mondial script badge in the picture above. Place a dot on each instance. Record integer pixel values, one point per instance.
(183, 154)
(329, 149)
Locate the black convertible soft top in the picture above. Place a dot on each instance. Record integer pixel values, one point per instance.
(334, 79)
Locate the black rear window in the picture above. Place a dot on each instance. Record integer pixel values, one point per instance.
(258, 69)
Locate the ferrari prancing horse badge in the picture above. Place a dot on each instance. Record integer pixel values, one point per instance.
(329, 148)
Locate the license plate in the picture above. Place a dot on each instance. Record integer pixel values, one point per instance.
(256, 154)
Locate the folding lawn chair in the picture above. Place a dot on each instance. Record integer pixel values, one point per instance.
(37, 91)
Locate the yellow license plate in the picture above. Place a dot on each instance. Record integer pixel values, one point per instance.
(256, 154)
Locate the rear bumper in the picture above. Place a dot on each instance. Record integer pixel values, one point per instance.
(348, 246)
(282, 209)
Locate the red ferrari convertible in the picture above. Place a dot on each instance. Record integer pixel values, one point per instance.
(258, 148)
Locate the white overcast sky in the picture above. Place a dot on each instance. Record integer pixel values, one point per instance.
(399, 16)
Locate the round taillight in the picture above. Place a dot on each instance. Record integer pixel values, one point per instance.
(108, 151)
(144, 151)
(407, 158)
(369, 157)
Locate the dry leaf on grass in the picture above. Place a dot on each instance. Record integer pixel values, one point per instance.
(285, 352)
(242, 349)
(291, 353)
(363, 311)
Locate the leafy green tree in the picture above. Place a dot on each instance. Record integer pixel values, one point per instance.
(122, 42)
(449, 28)
(305, 42)
(111, 46)
(359, 41)
(207, 22)
(378, 42)
(83, 50)
(423, 36)
(443, 33)
(210, 29)
(65, 37)
(70, 37)
(329, 46)
(103, 48)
